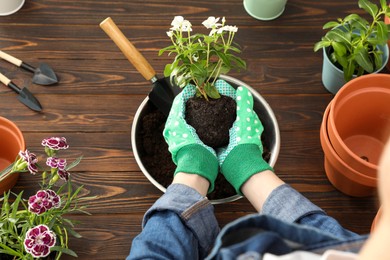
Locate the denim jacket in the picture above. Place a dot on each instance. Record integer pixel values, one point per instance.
(182, 225)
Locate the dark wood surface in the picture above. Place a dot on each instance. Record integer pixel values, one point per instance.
(95, 102)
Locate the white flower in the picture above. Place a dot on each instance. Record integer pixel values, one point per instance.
(211, 22)
(186, 26)
(170, 34)
(213, 31)
(177, 22)
(195, 57)
(228, 28)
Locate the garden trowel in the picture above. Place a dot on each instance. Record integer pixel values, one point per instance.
(25, 96)
(163, 92)
(43, 75)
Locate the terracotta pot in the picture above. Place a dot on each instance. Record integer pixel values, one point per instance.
(341, 175)
(267, 117)
(359, 121)
(11, 142)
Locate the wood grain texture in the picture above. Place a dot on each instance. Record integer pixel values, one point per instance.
(99, 92)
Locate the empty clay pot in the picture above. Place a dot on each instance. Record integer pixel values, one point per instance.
(11, 142)
(340, 174)
(359, 121)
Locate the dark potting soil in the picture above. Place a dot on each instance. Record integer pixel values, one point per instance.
(211, 119)
(157, 158)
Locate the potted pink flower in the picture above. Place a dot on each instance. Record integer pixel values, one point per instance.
(36, 227)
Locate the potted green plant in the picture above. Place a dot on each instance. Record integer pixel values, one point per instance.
(354, 46)
(201, 60)
(36, 227)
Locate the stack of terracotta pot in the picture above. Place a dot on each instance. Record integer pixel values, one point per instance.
(354, 129)
(11, 142)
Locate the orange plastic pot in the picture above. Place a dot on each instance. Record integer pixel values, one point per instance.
(341, 175)
(11, 142)
(359, 121)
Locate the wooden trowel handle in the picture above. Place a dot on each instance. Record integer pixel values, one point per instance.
(10, 59)
(128, 49)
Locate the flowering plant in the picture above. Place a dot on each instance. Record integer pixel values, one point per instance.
(200, 58)
(36, 227)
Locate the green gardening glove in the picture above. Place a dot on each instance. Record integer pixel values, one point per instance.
(189, 153)
(242, 157)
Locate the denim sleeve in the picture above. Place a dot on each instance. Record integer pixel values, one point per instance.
(287, 204)
(179, 225)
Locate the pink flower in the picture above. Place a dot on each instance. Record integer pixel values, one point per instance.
(39, 240)
(31, 160)
(43, 200)
(64, 175)
(55, 143)
(54, 162)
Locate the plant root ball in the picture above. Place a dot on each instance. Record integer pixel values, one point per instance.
(211, 119)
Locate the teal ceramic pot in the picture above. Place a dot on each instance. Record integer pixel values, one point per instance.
(8, 7)
(265, 9)
(333, 77)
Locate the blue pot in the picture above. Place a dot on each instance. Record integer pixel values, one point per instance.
(333, 77)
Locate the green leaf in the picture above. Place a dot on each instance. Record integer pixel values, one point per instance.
(342, 60)
(6, 170)
(384, 4)
(63, 250)
(339, 48)
(74, 163)
(339, 36)
(224, 58)
(167, 70)
(359, 23)
(349, 70)
(211, 91)
(378, 60)
(351, 17)
(330, 25)
(321, 44)
(382, 32)
(362, 58)
(369, 7)
(15, 205)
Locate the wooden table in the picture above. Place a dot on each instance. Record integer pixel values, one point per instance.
(99, 92)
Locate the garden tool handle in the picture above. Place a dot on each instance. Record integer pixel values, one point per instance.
(128, 49)
(4, 79)
(10, 59)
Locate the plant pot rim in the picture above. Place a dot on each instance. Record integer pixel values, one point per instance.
(332, 155)
(8, 180)
(274, 150)
(350, 90)
(384, 62)
(17, 8)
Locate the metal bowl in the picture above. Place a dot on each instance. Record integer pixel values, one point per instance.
(264, 111)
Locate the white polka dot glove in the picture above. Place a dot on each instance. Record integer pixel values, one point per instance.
(189, 153)
(243, 158)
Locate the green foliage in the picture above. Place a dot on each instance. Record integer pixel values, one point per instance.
(355, 41)
(200, 58)
(17, 217)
